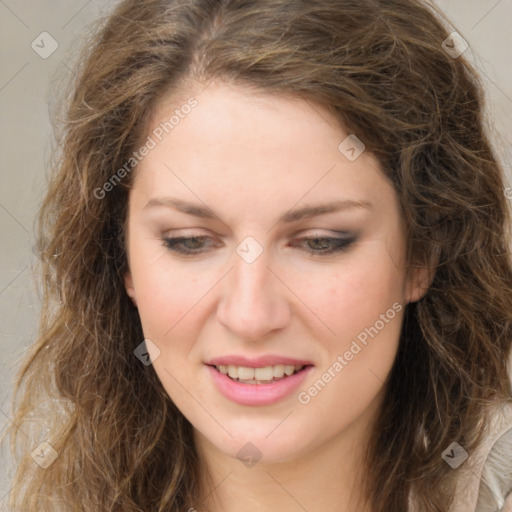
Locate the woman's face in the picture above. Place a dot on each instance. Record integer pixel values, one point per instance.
(258, 245)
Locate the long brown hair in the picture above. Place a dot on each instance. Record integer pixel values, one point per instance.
(381, 67)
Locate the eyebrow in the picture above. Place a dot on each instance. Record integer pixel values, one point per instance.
(308, 211)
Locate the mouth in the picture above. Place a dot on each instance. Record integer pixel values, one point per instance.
(260, 375)
(258, 385)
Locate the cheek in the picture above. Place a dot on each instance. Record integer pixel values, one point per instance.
(164, 297)
(354, 297)
(363, 307)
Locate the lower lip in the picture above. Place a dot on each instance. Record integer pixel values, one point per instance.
(257, 394)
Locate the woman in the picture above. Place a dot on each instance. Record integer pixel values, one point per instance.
(276, 271)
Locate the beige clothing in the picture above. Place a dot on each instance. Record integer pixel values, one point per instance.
(468, 486)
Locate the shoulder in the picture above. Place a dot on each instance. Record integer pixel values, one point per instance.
(485, 482)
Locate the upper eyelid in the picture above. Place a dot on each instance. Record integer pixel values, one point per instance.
(343, 235)
(190, 233)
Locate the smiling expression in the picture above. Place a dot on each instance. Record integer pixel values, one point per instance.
(251, 235)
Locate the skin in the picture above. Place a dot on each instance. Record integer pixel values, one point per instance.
(251, 157)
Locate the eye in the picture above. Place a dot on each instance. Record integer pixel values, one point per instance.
(186, 245)
(327, 245)
(318, 245)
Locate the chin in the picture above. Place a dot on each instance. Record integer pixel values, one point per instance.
(260, 447)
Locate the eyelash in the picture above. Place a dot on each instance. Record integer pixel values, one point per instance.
(340, 244)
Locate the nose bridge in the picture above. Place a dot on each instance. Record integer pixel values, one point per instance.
(250, 281)
(252, 303)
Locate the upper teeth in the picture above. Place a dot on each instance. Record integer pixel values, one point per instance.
(265, 373)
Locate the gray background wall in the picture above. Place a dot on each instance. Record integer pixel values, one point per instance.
(27, 80)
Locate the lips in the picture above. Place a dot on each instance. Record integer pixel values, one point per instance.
(254, 385)
(257, 393)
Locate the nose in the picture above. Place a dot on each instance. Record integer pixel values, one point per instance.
(253, 302)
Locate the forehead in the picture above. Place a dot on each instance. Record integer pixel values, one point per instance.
(219, 105)
(243, 143)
